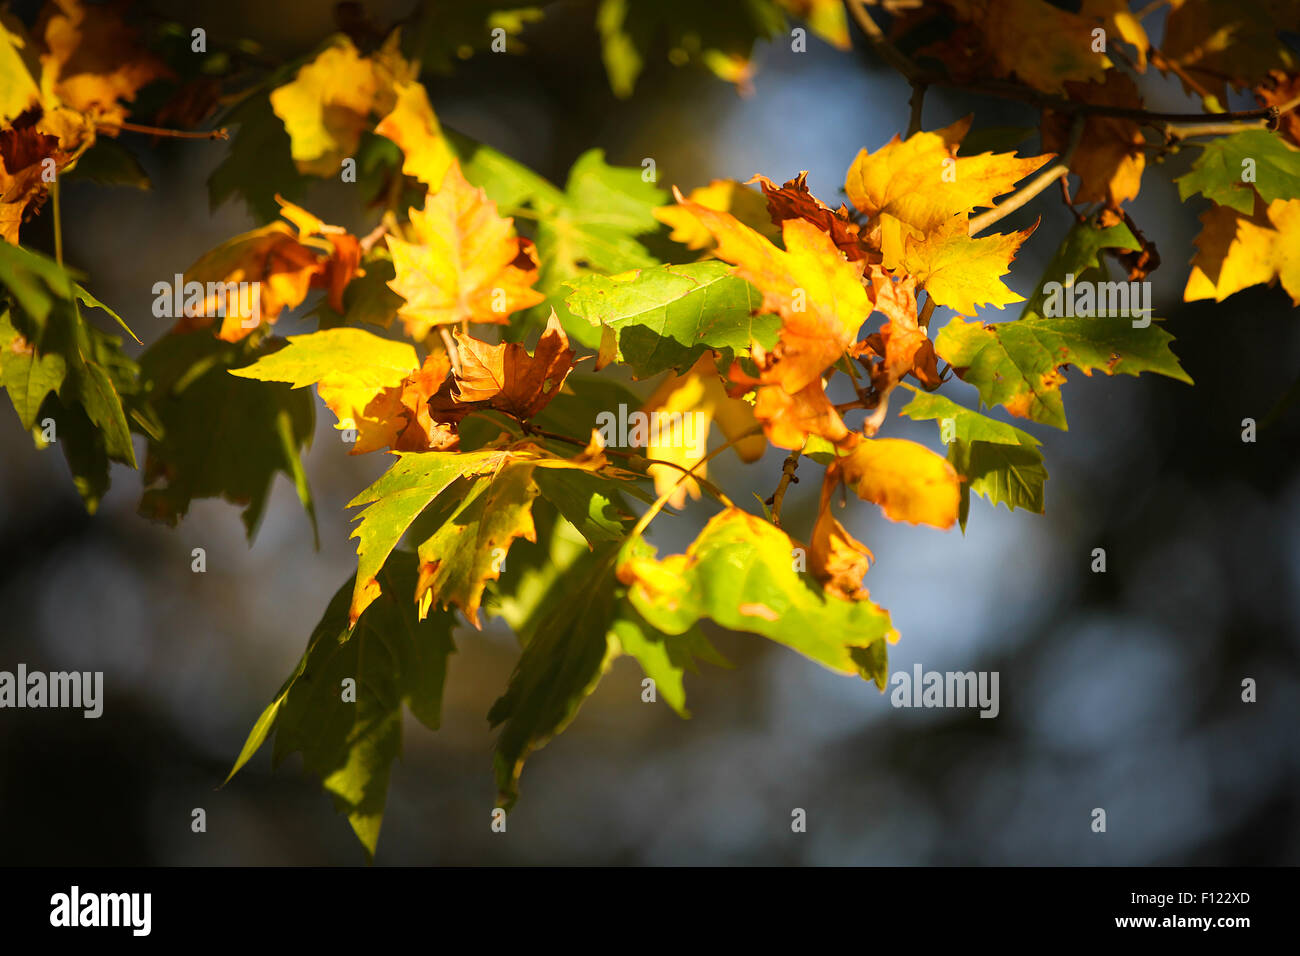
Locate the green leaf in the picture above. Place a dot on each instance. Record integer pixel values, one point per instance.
(27, 375)
(1016, 364)
(222, 436)
(560, 666)
(508, 183)
(1079, 255)
(719, 35)
(967, 425)
(395, 500)
(109, 163)
(443, 34)
(259, 163)
(392, 658)
(665, 658)
(668, 316)
(471, 547)
(593, 505)
(362, 360)
(1218, 173)
(999, 462)
(739, 572)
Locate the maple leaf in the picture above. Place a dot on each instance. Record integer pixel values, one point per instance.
(399, 496)
(667, 317)
(398, 658)
(1222, 44)
(465, 264)
(686, 406)
(372, 385)
(504, 377)
(725, 195)
(795, 201)
(327, 105)
(94, 59)
(1037, 43)
(997, 461)
(915, 187)
(902, 345)
(1109, 158)
(1236, 251)
(738, 572)
(413, 126)
(278, 263)
(836, 558)
(1018, 364)
(1218, 172)
(908, 481)
(816, 291)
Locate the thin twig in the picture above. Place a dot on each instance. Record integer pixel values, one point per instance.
(1175, 133)
(1034, 186)
(787, 476)
(221, 133)
(880, 43)
(917, 102)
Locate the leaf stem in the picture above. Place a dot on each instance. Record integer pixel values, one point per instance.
(662, 500)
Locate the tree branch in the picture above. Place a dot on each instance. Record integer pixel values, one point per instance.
(1034, 186)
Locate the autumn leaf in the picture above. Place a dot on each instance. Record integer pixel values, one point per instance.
(740, 573)
(682, 410)
(327, 105)
(1236, 251)
(1214, 43)
(1109, 158)
(95, 58)
(667, 317)
(1219, 172)
(836, 558)
(504, 377)
(254, 277)
(903, 347)
(995, 460)
(1018, 364)
(413, 126)
(399, 496)
(372, 385)
(465, 263)
(725, 195)
(908, 481)
(816, 291)
(1037, 43)
(795, 201)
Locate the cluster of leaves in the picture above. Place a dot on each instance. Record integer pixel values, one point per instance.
(776, 300)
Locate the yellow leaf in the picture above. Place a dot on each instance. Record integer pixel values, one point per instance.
(413, 126)
(961, 272)
(1236, 251)
(916, 186)
(908, 481)
(1038, 43)
(326, 107)
(725, 195)
(466, 263)
(681, 412)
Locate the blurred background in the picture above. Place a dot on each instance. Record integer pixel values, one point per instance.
(1119, 690)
